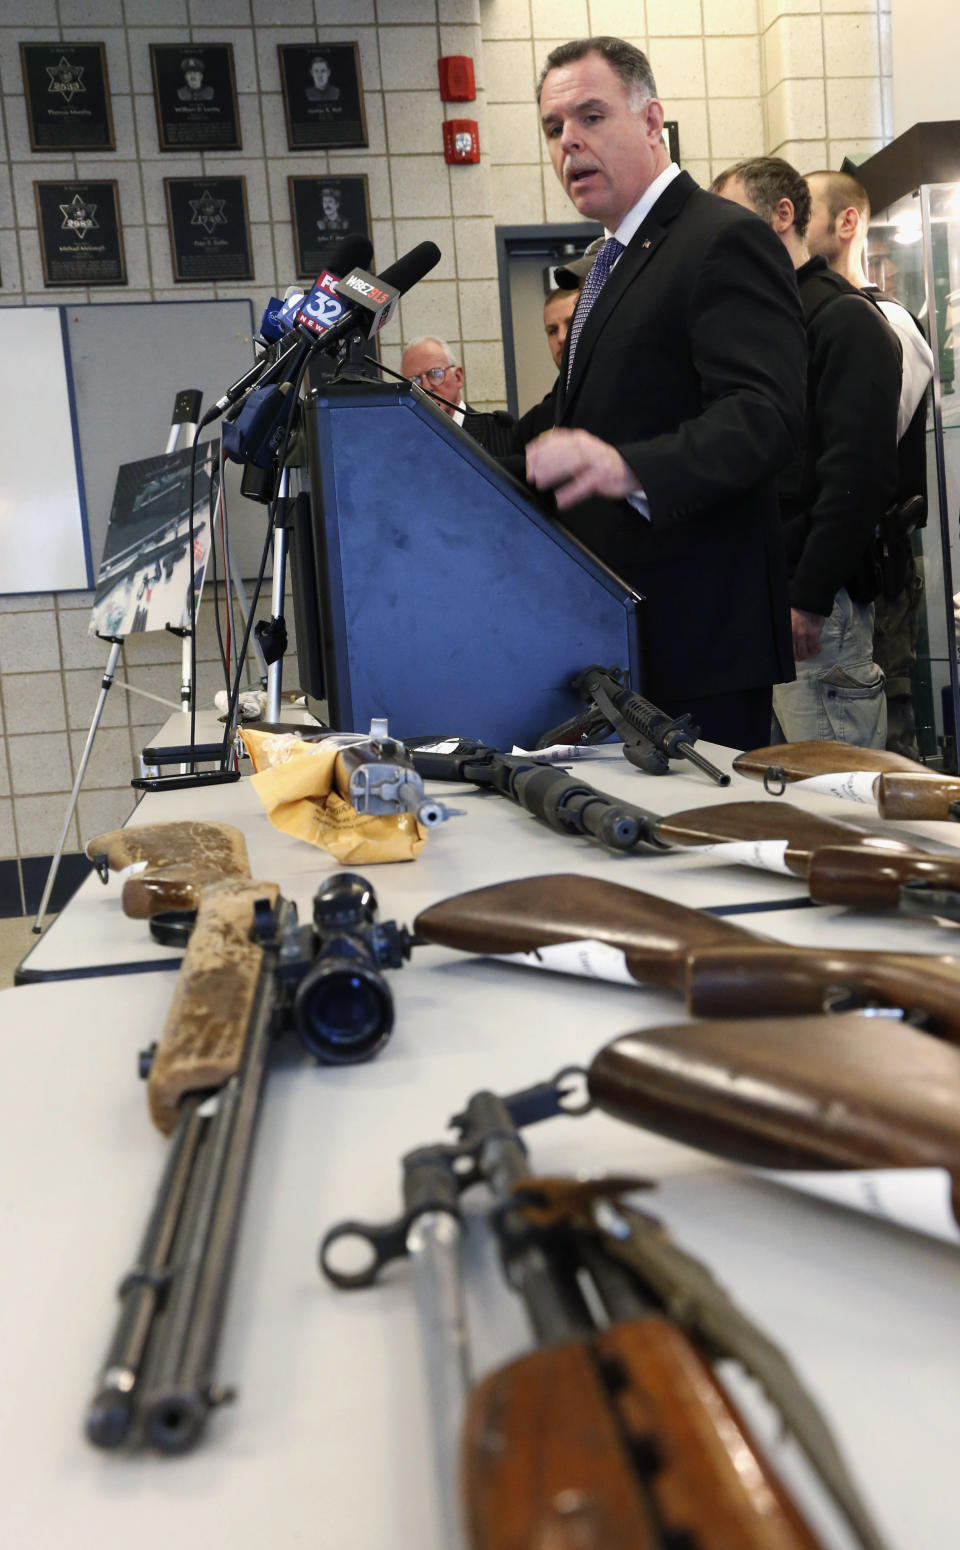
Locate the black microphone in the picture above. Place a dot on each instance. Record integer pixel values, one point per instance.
(397, 279)
(347, 254)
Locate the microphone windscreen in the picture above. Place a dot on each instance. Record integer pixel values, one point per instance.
(350, 253)
(411, 268)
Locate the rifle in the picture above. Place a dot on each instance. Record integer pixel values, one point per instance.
(721, 969)
(650, 737)
(809, 1094)
(250, 971)
(901, 788)
(169, 864)
(615, 1432)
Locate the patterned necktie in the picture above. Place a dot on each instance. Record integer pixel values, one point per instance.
(592, 286)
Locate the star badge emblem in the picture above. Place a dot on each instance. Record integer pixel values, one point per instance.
(208, 212)
(79, 217)
(66, 79)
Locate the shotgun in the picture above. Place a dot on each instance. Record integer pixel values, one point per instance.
(901, 788)
(841, 863)
(807, 1094)
(587, 926)
(615, 1433)
(249, 972)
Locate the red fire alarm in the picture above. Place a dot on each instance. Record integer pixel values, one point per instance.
(461, 140)
(457, 83)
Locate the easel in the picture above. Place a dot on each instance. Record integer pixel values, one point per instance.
(183, 429)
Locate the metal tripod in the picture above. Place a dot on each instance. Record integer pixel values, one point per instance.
(183, 429)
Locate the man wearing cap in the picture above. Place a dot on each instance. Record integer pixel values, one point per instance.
(679, 398)
(193, 89)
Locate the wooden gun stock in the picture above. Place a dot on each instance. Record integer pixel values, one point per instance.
(181, 859)
(801, 1093)
(202, 1041)
(798, 761)
(913, 794)
(624, 1441)
(721, 969)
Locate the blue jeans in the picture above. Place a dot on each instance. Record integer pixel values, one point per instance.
(838, 694)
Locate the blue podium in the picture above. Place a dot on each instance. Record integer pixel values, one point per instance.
(429, 588)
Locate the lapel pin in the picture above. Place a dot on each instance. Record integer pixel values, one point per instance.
(646, 242)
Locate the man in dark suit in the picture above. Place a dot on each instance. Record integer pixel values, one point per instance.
(680, 396)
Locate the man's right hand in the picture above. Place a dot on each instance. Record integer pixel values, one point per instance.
(807, 629)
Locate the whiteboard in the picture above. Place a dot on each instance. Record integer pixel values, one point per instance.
(43, 535)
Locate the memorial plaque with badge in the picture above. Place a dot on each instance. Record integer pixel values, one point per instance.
(67, 93)
(322, 95)
(209, 228)
(81, 242)
(325, 210)
(195, 92)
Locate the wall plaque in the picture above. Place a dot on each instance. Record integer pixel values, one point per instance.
(81, 242)
(67, 92)
(195, 92)
(322, 95)
(209, 228)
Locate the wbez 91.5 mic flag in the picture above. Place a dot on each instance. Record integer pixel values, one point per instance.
(359, 304)
(280, 323)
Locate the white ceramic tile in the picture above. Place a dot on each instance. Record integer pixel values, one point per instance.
(414, 121)
(851, 45)
(432, 307)
(40, 762)
(479, 309)
(476, 249)
(618, 19)
(728, 17)
(29, 642)
(672, 19)
(514, 129)
(100, 811)
(736, 129)
(805, 155)
(854, 109)
(693, 131)
(793, 46)
(111, 761)
(409, 11)
(421, 186)
(483, 364)
(796, 108)
(505, 19)
(733, 67)
(408, 58)
(560, 19)
(40, 823)
(517, 195)
(678, 69)
(375, 170)
(407, 235)
(470, 191)
(509, 72)
(359, 12)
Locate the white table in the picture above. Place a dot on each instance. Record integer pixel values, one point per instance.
(329, 1442)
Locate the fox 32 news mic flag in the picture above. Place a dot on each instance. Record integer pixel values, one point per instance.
(280, 325)
(333, 310)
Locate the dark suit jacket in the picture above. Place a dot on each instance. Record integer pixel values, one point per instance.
(496, 432)
(692, 364)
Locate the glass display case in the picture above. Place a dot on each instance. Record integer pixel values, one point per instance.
(914, 255)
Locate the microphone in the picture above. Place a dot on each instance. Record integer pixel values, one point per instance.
(321, 307)
(271, 329)
(345, 256)
(376, 296)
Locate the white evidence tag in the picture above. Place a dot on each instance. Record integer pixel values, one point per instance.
(852, 785)
(908, 1197)
(589, 959)
(767, 855)
(557, 753)
(133, 870)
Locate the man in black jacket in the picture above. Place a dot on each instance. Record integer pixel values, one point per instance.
(833, 497)
(679, 397)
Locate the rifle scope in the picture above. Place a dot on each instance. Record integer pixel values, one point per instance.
(342, 1005)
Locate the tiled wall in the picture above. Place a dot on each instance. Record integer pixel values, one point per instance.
(809, 78)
